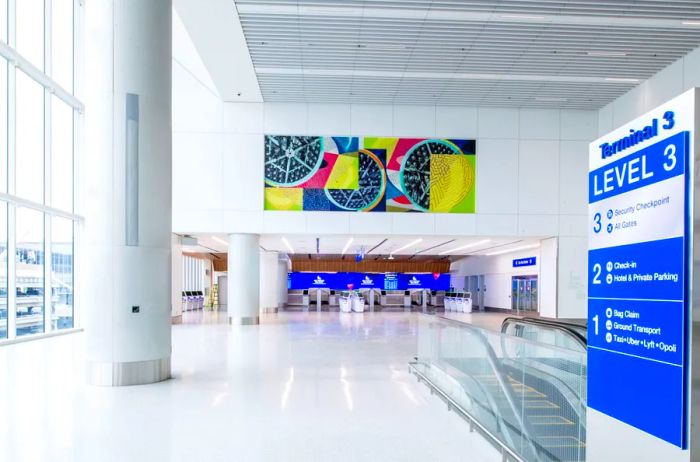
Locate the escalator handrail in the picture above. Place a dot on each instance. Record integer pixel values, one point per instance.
(568, 327)
(500, 375)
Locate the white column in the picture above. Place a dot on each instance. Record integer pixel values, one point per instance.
(548, 278)
(269, 292)
(176, 280)
(244, 279)
(126, 191)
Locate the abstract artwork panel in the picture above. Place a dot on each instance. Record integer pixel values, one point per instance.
(370, 174)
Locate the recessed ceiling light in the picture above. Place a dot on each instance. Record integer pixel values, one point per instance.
(528, 17)
(410, 244)
(551, 99)
(347, 245)
(287, 244)
(607, 53)
(219, 240)
(468, 246)
(621, 79)
(691, 23)
(514, 249)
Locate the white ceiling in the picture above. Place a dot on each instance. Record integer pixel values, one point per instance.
(545, 53)
(432, 246)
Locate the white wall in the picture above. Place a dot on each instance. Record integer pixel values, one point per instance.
(531, 165)
(670, 82)
(197, 130)
(531, 169)
(498, 271)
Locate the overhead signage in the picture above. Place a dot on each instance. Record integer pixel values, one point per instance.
(638, 265)
(529, 261)
(391, 281)
(388, 281)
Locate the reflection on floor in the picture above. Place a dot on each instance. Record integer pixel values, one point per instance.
(300, 387)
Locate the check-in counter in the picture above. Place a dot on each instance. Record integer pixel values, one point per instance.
(392, 298)
(333, 298)
(371, 297)
(296, 298)
(436, 298)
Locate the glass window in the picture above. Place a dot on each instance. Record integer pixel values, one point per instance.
(3, 270)
(29, 230)
(29, 158)
(30, 30)
(61, 155)
(62, 42)
(3, 124)
(61, 273)
(3, 20)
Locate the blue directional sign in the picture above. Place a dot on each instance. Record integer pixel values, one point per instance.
(529, 261)
(638, 262)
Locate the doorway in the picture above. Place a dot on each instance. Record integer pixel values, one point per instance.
(524, 293)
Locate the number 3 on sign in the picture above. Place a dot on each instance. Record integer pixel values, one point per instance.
(670, 154)
(597, 225)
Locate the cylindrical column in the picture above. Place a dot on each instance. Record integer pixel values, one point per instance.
(244, 279)
(269, 274)
(126, 191)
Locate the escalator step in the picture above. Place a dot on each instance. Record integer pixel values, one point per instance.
(550, 420)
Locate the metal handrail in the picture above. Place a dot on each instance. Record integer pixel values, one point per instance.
(569, 328)
(470, 418)
(502, 381)
(517, 421)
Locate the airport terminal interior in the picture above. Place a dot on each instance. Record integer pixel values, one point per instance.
(349, 230)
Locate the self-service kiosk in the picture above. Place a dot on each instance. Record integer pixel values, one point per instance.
(459, 302)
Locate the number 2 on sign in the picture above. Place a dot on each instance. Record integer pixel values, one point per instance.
(596, 277)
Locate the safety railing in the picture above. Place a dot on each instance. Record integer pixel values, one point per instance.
(527, 397)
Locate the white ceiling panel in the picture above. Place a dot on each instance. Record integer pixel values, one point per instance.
(564, 54)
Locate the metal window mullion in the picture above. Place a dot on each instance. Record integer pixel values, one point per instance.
(48, 325)
(11, 22)
(11, 211)
(12, 199)
(35, 73)
(77, 255)
(47, 274)
(11, 273)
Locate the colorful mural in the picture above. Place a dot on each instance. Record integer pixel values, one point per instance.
(370, 174)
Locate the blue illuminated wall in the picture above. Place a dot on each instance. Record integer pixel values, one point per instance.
(390, 281)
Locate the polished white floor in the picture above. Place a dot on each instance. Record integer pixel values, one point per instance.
(300, 387)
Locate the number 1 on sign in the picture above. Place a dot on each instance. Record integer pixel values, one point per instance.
(595, 322)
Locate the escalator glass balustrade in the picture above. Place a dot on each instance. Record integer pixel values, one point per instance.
(527, 396)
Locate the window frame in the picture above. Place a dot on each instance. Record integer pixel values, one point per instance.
(16, 62)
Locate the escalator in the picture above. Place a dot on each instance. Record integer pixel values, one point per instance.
(525, 386)
(556, 410)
